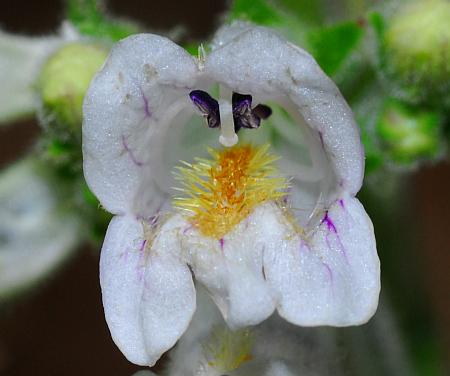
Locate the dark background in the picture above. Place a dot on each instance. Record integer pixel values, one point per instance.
(60, 330)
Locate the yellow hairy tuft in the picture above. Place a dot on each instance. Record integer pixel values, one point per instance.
(218, 193)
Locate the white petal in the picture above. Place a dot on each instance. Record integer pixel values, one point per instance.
(20, 61)
(127, 111)
(148, 295)
(256, 61)
(277, 347)
(330, 278)
(232, 270)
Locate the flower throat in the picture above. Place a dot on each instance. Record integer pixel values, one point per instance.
(218, 193)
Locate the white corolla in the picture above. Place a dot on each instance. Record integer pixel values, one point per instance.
(262, 208)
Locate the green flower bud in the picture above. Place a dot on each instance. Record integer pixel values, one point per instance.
(417, 45)
(64, 80)
(408, 133)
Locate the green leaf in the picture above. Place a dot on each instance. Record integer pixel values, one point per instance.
(277, 13)
(378, 23)
(89, 17)
(281, 15)
(310, 11)
(257, 11)
(331, 46)
(36, 232)
(192, 48)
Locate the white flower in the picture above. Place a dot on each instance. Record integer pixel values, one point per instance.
(37, 232)
(317, 265)
(275, 347)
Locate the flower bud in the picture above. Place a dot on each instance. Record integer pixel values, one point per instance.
(408, 133)
(417, 47)
(64, 80)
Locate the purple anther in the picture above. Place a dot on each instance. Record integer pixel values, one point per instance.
(208, 106)
(221, 243)
(242, 103)
(262, 111)
(243, 114)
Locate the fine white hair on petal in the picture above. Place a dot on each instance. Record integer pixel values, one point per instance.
(148, 294)
(130, 103)
(232, 271)
(330, 278)
(259, 62)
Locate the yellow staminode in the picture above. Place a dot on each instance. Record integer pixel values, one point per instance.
(222, 191)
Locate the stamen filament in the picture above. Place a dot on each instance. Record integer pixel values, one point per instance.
(228, 136)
